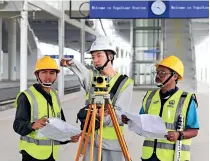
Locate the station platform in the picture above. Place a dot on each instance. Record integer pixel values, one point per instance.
(71, 103)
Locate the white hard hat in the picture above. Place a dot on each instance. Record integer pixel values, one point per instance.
(102, 43)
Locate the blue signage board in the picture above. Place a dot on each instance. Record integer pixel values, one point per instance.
(65, 56)
(152, 51)
(148, 9)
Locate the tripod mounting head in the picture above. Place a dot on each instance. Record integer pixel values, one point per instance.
(100, 85)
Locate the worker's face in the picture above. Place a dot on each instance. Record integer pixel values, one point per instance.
(163, 73)
(47, 76)
(99, 58)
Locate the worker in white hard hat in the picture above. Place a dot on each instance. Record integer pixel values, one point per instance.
(103, 52)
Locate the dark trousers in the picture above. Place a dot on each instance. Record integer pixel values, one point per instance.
(27, 157)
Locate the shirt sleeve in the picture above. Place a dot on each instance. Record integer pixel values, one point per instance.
(63, 116)
(22, 124)
(192, 117)
(83, 74)
(141, 110)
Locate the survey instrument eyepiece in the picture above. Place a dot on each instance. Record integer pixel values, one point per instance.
(100, 84)
(100, 80)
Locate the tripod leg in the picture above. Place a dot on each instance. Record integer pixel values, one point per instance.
(101, 131)
(83, 133)
(87, 137)
(93, 132)
(117, 129)
(118, 132)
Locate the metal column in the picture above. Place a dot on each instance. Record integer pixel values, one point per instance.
(133, 49)
(179, 42)
(61, 39)
(1, 52)
(82, 35)
(12, 54)
(23, 46)
(131, 45)
(163, 38)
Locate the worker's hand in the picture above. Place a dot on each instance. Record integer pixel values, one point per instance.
(75, 139)
(65, 62)
(39, 123)
(173, 136)
(124, 119)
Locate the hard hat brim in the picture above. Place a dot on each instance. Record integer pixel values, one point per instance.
(90, 52)
(57, 70)
(157, 65)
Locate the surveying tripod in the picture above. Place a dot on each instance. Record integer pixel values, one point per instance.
(100, 100)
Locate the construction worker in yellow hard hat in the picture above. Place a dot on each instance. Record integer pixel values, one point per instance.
(34, 106)
(169, 102)
(174, 65)
(46, 64)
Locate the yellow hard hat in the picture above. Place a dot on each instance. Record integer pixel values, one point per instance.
(173, 63)
(46, 63)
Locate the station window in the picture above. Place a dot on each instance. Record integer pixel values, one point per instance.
(129, 55)
(117, 50)
(121, 53)
(121, 70)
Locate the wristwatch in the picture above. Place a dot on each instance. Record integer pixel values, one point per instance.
(181, 135)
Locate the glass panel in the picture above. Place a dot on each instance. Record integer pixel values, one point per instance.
(121, 53)
(146, 38)
(147, 35)
(144, 74)
(117, 50)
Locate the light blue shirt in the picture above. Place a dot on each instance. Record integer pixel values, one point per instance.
(192, 116)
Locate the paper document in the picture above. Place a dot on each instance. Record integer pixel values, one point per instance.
(149, 126)
(58, 130)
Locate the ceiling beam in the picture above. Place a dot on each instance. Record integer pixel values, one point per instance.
(68, 33)
(51, 27)
(56, 13)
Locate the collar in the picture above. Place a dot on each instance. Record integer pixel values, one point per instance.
(168, 93)
(46, 95)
